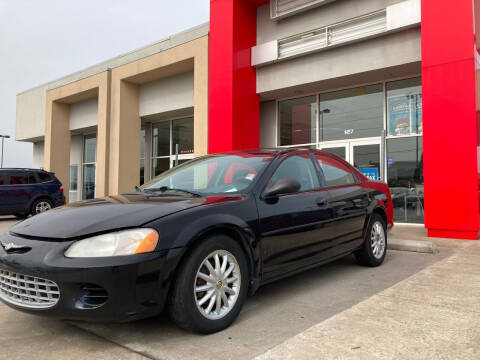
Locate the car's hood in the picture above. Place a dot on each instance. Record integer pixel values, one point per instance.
(83, 218)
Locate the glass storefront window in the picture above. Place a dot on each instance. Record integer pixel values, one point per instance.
(297, 121)
(405, 178)
(73, 177)
(142, 144)
(159, 165)
(166, 135)
(404, 107)
(88, 188)
(182, 134)
(90, 148)
(88, 166)
(142, 156)
(351, 113)
(161, 139)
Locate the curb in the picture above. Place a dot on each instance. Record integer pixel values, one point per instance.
(412, 245)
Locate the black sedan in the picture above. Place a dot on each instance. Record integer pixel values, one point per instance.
(196, 239)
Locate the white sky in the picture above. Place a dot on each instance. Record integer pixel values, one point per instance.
(41, 40)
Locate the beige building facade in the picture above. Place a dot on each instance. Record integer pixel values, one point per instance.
(82, 125)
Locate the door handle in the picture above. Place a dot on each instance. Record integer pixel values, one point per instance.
(321, 201)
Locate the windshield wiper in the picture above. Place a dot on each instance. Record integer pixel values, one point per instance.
(166, 188)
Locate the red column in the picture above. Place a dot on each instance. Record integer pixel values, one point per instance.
(450, 123)
(233, 100)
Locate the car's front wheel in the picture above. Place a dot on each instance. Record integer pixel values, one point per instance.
(210, 287)
(41, 205)
(374, 246)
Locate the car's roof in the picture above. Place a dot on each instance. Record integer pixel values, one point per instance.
(267, 151)
(22, 169)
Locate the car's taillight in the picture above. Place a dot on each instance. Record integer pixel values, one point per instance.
(61, 190)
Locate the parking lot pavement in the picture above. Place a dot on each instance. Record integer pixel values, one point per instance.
(278, 312)
(6, 222)
(430, 315)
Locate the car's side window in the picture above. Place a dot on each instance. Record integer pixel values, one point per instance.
(3, 179)
(31, 178)
(18, 179)
(334, 172)
(299, 167)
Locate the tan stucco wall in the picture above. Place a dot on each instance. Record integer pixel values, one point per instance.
(57, 127)
(125, 120)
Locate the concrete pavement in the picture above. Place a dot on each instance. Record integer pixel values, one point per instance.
(433, 314)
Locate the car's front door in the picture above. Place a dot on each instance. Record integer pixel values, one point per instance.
(292, 226)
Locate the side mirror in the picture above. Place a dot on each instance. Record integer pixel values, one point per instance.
(282, 186)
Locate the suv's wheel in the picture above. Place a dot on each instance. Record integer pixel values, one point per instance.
(40, 206)
(374, 246)
(210, 287)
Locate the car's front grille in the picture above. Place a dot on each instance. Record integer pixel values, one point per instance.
(28, 291)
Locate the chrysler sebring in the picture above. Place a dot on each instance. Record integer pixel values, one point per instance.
(196, 239)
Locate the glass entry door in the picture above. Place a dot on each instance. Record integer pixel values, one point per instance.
(363, 154)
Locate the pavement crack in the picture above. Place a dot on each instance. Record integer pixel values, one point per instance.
(141, 353)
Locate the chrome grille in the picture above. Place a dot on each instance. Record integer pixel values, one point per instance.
(28, 291)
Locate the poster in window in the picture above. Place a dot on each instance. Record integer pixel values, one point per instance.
(417, 114)
(399, 120)
(405, 114)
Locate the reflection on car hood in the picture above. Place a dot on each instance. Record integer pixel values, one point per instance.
(83, 218)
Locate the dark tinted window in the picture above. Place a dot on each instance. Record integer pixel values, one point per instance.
(18, 179)
(3, 179)
(44, 177)
(334, 172)
(299, 167)
(22, 178)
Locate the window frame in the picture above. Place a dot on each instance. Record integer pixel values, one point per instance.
(356, 178)
(275, 167)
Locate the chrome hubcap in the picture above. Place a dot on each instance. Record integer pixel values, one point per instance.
(217, 284)
(42, 206)
(377, 240)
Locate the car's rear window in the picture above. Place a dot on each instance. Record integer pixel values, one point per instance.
(44, 177)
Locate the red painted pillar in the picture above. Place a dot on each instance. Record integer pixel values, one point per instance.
(450, 124)
(233, 100)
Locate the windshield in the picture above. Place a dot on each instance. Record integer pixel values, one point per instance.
(215, 174)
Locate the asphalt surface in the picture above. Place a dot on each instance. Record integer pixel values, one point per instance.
(277, 313)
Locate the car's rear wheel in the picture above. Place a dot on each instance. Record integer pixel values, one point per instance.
(41, 205)
(210, 287)
(374, 246)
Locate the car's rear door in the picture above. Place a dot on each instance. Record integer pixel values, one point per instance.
(292, 225)
(23, 189)
(348, 201)
(4, 192)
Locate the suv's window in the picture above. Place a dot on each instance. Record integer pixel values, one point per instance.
(299, 167)
(335, 173)
(44, 177)
(3, 179)
(22, 178)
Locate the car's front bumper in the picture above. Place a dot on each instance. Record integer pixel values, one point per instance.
(135, 286)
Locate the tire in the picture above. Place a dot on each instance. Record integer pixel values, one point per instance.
(41, 205)
(184, 302)
(373, 250)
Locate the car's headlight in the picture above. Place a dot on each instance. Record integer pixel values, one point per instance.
(126, 242)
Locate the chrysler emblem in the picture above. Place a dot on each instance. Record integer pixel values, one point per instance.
(12, 247)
